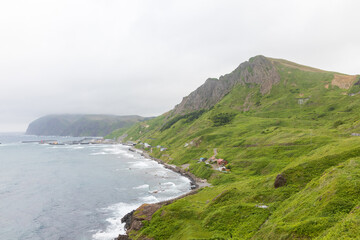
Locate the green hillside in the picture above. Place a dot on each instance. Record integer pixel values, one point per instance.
(302, 128)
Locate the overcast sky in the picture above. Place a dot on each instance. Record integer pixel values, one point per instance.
(141, 57)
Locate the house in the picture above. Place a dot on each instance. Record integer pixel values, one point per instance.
(202, 159)
(302, 100)
(158, 146)
(147, 145)
(222, 169)
(221, 162)
(163, 149)
(130, 143)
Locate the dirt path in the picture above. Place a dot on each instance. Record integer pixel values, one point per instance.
(215, 152)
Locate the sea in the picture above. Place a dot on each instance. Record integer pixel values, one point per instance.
(78, 192)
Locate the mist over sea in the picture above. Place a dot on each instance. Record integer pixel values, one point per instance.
(75, 191)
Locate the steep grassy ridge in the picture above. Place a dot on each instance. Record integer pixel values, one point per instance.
(301, 128)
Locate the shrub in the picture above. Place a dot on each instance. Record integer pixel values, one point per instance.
(338, 123)
(221, 119)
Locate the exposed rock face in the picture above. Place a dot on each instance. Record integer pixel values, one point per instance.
(343, 81)
(279, 181)
(258, 70)
(122, 237)
(144, 212)
(127, 219)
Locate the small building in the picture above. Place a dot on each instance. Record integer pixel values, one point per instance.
(202, 159)
(222, 169)
(221, 162)
(163, 149)
(302, 100)
(130, 143)
(147, 145)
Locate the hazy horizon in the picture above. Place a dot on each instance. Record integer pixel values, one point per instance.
(142, 57)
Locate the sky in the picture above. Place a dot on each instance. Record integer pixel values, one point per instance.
(128, 57)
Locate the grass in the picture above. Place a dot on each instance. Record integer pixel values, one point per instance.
(262, 136)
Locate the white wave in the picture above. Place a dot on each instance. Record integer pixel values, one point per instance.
(9, 144)
(98, 153)
(145, 186)
(77, 147)
(161, 173)
(140, 164)
(115, 226)
(116, 150)
(171, 184)
(173, 191)
(129, 155)
(172, 188)
(149, 199)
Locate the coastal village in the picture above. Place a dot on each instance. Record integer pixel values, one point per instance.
(217, 164)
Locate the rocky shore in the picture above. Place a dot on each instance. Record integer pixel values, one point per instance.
(133, 220)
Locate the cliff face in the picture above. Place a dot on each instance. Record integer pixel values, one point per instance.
(258, 70)
(79, 125)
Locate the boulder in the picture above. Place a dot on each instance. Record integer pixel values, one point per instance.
(279, 181)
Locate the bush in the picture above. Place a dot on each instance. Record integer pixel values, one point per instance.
(331, 108)
(221, 119)
(338, 123)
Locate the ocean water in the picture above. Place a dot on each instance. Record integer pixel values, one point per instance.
(75, 191)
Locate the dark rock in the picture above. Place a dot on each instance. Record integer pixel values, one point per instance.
(122, 237)
(280, 181)
(127, 219)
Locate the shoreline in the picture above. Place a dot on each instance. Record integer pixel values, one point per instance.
(133, 222)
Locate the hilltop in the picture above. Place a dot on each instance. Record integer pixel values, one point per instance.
(290, 136)
(80, 124)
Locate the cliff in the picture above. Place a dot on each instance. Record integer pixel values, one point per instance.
(258, 70)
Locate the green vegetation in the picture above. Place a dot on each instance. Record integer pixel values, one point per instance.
(308, 141)
(221, 119)
(189, 118)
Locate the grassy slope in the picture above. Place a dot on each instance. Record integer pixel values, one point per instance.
(309, 143)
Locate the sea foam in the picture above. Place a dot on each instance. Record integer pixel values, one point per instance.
(115, 227)
(145, 186)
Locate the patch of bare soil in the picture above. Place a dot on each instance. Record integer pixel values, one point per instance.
(295, 65)
(343, 81)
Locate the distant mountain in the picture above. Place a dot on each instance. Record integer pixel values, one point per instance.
(80, 125)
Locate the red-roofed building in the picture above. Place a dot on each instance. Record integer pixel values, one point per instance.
(221, 162)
